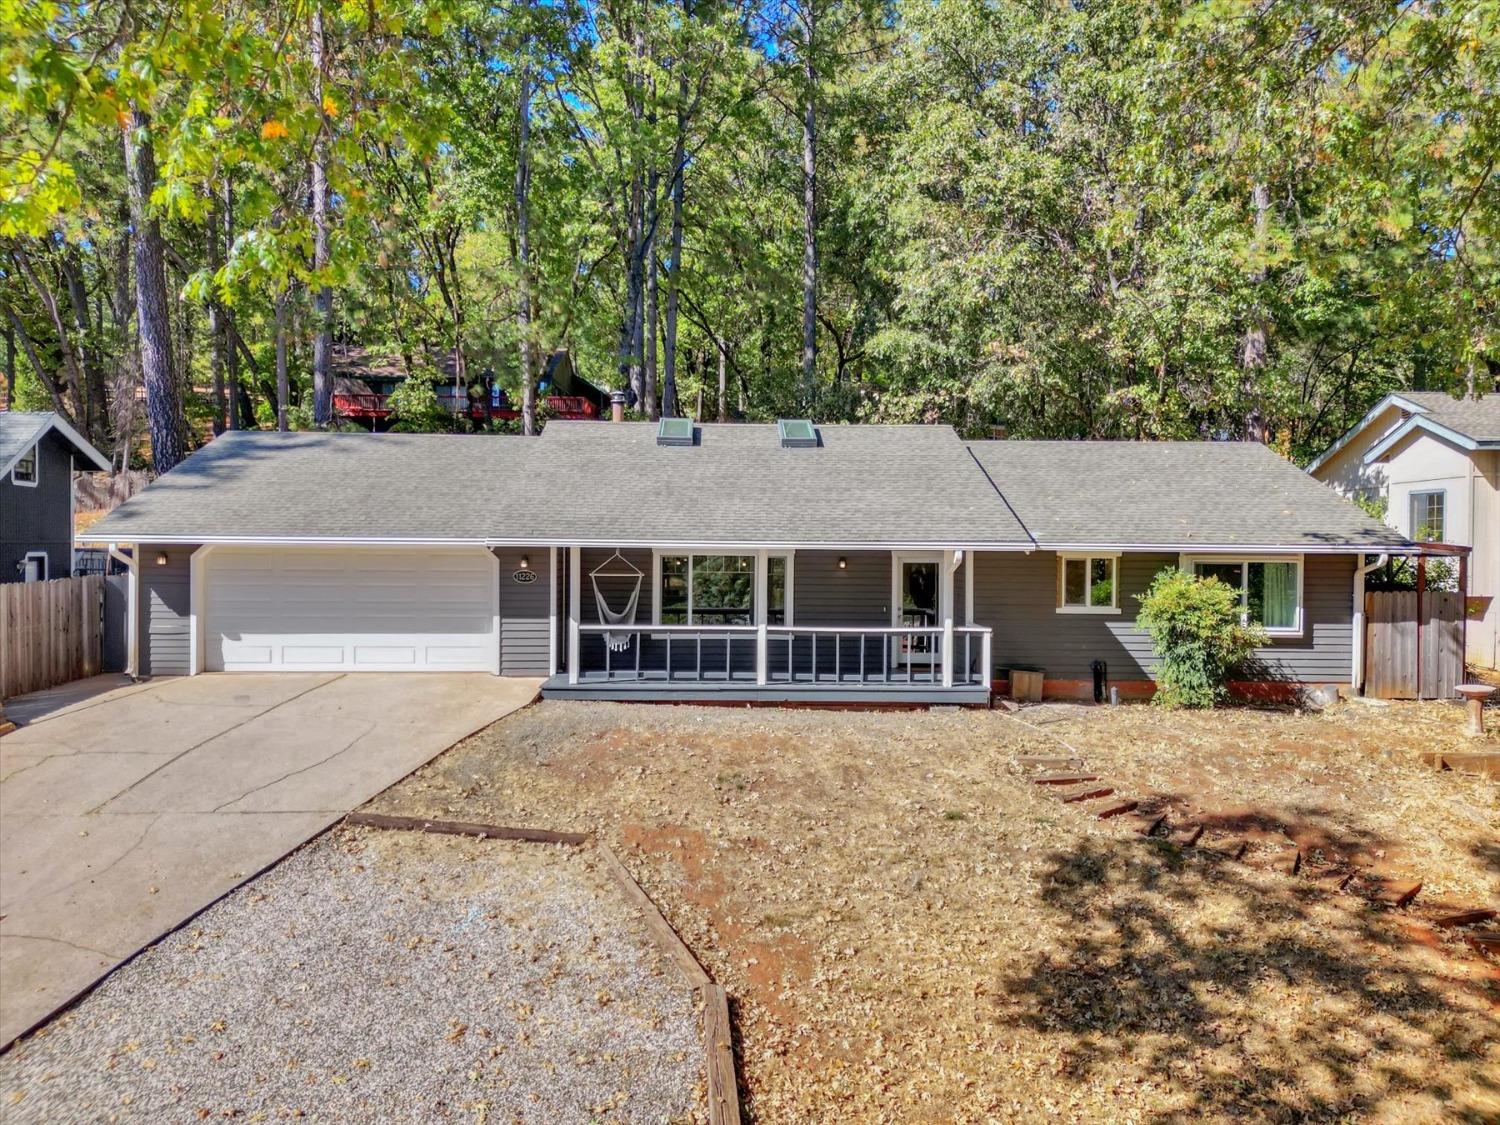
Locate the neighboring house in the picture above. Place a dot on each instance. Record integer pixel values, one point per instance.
(364, 380)
(38, 455)
(1435, 461)
(730, 562)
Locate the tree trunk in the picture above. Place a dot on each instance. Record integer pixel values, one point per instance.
(1254, 351)
(282, 388)
(323, 294)
(95, 406)
(237, 415)
(218, 337)
(723, 381)
(648, 381)
(809, 214)
(674, 262)
(523, 245)
(163, 406)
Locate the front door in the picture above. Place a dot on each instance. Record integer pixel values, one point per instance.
(916, 604)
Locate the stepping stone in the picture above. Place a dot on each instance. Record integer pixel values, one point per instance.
(1046, 761)
(1146, 824)
(1337, 879)
(1233, 849)
(1463, 918)
(1189, 836)
(1063, 778)
(1394, 894)
(1118, 809)
(1087, 793)
(1487, 941)
(1481, 763)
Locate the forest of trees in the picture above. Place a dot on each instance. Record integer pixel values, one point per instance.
(1096, 218)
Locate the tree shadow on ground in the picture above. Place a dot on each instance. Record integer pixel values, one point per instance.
(1248, 992)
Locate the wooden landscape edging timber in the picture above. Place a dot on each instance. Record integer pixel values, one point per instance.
(718, 1037)
(460, 828)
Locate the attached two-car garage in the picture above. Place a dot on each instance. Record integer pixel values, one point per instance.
(375, 609)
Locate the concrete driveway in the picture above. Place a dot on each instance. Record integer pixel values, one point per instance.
(123, 814)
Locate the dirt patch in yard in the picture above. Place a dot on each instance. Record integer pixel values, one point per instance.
(384, 975)
(909, 930)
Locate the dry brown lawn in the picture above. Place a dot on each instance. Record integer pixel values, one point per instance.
(910, 930)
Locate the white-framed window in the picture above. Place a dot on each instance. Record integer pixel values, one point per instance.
(25, 470)
(1428, 515)
(1270, 587)
(694, 588)
(34, 567)
(1088, 583)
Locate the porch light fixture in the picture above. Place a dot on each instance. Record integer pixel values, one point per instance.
(843, 563)
(161, 558)
(525, 562)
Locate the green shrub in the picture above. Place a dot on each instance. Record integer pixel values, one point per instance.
(1198, 636)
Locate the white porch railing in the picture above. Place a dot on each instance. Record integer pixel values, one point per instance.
(956, 656)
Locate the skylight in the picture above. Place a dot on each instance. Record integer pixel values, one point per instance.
(674, 431)
(797, 433)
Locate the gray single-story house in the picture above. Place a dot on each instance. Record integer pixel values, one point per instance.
(741, 563)
(39, 452)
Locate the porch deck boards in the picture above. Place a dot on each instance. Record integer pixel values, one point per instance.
(655, 688)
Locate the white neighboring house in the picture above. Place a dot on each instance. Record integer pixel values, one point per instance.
(1435, 460)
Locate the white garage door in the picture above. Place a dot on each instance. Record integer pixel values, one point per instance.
(368, 609)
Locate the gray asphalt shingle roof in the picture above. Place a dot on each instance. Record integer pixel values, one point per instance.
(580, 482)
(907, 485)
(1171, 494)
(20, 430)
(1477, 418)
(593, 482)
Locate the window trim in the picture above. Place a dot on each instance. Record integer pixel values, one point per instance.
(36, 468)
(760, 588)
(1064, 557)
(46, 565)
(1187, 563)
(1411, 505)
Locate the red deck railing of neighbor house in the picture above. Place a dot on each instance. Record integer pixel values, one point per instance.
(374, 407)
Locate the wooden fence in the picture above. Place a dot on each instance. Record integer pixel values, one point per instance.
(50, 632)
(1410, 655)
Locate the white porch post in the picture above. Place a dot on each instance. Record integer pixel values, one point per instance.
(762, 587)
(945, 599)
(552, 611)
(575, 587)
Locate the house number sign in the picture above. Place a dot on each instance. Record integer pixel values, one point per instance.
(524, 576)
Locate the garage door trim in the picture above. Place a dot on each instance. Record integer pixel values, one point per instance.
(197, 586)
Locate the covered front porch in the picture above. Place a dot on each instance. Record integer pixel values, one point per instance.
(768, 626)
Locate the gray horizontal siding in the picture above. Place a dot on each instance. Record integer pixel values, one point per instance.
(525, 615)
(166, 609)
(1016, 596)
(1325, 651)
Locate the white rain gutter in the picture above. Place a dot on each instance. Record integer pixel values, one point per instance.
(132, 610)
(1357, 668)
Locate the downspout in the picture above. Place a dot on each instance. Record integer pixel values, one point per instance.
(132, 611)
(1357, 669)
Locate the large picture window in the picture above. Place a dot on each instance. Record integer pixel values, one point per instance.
(720, 589)
(1088, 584)
(707, 590)
(1270, 589)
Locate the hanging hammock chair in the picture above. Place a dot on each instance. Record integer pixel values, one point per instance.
(617, 642)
